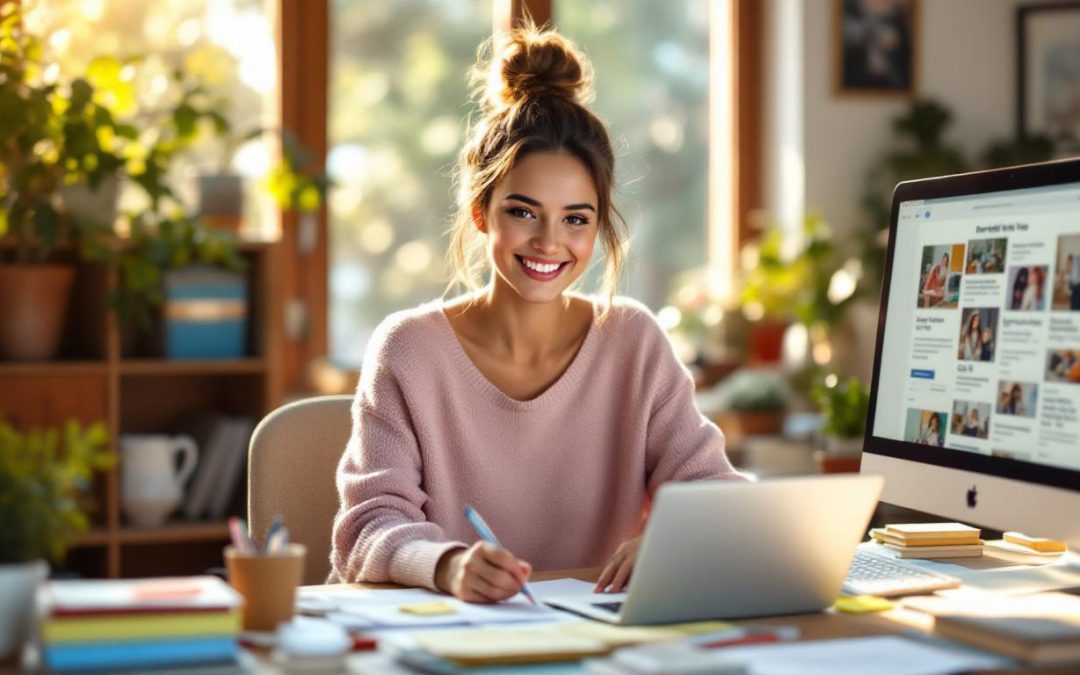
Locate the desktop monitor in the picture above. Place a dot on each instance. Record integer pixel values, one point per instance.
(975, 400)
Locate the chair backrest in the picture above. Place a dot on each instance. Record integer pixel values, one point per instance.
(292, 459)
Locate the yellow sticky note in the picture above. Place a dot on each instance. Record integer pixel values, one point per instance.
(861, 604)
(428, 608)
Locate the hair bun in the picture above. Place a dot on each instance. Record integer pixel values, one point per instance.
(529, 63)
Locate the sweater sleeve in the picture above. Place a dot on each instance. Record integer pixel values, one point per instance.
(681, 444)
(381, 533)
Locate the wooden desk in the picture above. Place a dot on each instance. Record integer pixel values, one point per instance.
(817, 626)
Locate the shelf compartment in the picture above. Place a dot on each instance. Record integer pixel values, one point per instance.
(174, 532)
(161, 367)
(53, 369)
(96, 536)
(159, 404)
(48, 400)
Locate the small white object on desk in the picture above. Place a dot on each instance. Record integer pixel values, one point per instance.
(306, 637)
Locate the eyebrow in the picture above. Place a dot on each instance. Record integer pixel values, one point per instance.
(532, 202)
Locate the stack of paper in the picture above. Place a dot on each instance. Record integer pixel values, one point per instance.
(930, 540)
(144, 623)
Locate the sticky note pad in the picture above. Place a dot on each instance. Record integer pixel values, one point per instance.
(861, 604)
(428, 608)
(1040, 544)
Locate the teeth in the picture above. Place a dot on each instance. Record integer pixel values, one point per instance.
(537, 267)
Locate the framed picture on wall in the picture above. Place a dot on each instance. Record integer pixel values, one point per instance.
(875, 47)
(1048, 95)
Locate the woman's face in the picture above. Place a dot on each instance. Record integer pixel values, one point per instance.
(935, 424)
(974, 322)
(944, 260)
(541, 225)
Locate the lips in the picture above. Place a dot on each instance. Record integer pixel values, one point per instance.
(541, 270)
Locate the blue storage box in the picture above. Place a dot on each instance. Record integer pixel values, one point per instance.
(206, 313)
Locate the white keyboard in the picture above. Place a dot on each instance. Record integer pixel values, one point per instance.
(873, 574)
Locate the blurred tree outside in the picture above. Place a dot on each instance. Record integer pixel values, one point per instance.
(652, 88)
(398, 102)
(226, 46)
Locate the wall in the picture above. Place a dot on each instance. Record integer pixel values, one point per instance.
(967, 57)
(818, 146)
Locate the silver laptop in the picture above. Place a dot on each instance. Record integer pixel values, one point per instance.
(722, 550)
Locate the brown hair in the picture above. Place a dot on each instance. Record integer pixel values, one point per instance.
(533, 87)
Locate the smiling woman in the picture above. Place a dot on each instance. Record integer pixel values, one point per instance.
(557, 415)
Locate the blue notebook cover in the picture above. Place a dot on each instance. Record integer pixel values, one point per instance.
(138, 653)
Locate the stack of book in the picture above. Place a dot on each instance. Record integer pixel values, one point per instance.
(930, 540)
(136, 624)
(1041, 629)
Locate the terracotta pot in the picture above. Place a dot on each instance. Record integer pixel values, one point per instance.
(767, 342)
(738, 424)
(34, 299)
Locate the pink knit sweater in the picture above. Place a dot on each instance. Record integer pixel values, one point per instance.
(562, 479)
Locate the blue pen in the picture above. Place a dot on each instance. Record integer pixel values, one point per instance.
(487, 535)
(278, 521)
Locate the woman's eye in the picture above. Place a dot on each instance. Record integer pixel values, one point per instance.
(518, 212)
(577, 220)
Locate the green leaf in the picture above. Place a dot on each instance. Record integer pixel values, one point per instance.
(185, 118)
(127, 131)
(222, 126)
(47, 223)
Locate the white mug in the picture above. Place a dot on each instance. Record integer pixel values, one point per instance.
(151, 484)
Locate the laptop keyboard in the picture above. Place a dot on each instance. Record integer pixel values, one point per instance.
(872, 574)
(613, 607)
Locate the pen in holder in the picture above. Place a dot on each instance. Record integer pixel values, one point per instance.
(268, 582)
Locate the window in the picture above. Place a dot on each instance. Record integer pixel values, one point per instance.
(225, 46)
(652, 75)
(397, 107)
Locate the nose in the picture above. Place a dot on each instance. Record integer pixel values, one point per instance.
(547, 238)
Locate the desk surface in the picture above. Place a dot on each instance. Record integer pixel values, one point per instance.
(822, 625)
(811, 626)
(816, 626)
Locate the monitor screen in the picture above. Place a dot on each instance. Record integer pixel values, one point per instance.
(978, 360)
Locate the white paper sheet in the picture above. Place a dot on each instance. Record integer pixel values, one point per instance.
(884, 655)
(580, 591)
(514, 610)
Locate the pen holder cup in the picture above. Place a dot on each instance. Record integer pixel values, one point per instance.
(268, 583)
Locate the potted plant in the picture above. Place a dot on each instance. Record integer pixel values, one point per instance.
(64, 146)
(44, 475)
(843, 408)
(790, 277)
(748, 402)
(54, 136)
(293, 182)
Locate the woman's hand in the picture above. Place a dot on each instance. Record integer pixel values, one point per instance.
(481, 573)
(617, 572)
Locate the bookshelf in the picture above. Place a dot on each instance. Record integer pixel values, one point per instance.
(103, 374)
